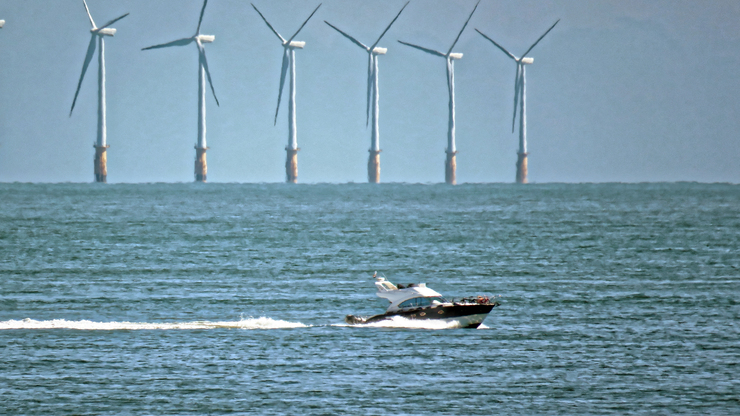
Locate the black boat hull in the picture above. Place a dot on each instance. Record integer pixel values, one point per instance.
(466, 316)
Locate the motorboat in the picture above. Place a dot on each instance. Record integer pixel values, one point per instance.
(417, 301)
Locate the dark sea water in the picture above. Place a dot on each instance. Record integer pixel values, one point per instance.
(229, 298)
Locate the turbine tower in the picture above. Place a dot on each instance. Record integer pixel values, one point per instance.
(97, 38)
(451, 151)
(289, 47)
(373, 163)
(201, 167)
(520, 102)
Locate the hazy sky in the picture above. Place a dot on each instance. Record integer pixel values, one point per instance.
(622, 91)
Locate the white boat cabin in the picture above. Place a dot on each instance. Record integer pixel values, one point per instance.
(415, 295)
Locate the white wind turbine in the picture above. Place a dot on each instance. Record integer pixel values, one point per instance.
(289, 47)
(201, 167)
(520, 102)
(451, 151)
(97, 37)
(373, 163)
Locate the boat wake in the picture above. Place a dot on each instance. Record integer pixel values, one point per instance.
(401, 322)
(244, 323)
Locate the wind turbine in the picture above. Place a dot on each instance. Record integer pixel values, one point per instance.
(289, 47)
(97, 37)
(373, 163)
(451, 151)
(520, 101)
(201, 167)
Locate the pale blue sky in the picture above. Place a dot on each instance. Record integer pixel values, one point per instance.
(622, 91)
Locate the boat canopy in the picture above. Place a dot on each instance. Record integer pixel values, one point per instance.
(411, 296)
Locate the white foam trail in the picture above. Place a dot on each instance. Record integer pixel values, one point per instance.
(250, 323)
(401, 322)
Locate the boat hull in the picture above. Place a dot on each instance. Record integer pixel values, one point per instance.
(466, 316)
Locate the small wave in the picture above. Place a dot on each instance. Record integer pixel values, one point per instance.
(400, 322)
(249, 323)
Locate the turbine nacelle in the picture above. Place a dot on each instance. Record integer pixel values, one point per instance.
(527, 61)
(296, 44)
(205, 38)
(380, 51)
(2, 23)
(455, 55)
(107, 31)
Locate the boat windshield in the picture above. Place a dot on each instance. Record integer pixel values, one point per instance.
(421, 302)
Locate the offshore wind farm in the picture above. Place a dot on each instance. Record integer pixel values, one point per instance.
(579, 118)
(615, 267)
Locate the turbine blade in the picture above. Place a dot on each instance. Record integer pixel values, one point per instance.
(538, 40)
(88, 14)
(204, 61)
(283, 72)
(268, 24)
(517, 85)
(200, 20)
(88, 58)
(179, 42)
(113, 21)
(355, 41)
(497, 45)
(449, 77)
(432, 51)
(463, 28)
(370, 69)
(304, 23)
(389, 26)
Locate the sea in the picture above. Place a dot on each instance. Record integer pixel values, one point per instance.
(219, 298)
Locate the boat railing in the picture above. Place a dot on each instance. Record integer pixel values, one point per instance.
(476, 300)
